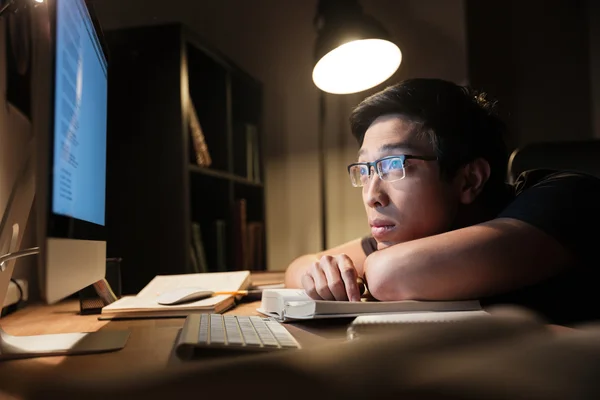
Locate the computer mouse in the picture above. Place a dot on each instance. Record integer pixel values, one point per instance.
(183, 295)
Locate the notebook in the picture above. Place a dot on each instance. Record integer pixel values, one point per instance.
(144, 304)
(377, 324)
(295, 304)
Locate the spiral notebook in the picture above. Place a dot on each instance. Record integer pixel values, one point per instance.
(375, 324)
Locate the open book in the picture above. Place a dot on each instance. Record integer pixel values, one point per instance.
(144, 304)
(295, 304)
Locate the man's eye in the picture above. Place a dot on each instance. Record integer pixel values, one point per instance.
(364, 171)
(393, 164)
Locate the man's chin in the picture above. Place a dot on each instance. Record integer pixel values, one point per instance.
(384, 245)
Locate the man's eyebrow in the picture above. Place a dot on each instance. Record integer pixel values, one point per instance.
(406, 146)
(398, 146)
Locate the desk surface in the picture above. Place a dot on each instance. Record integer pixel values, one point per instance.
(148, 349)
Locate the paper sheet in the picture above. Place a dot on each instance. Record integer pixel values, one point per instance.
(134, 303)
(216, 281)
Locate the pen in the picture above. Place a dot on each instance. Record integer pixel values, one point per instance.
(362, 288)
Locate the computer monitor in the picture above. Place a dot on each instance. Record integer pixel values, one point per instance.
(69, 122)
(72, 154)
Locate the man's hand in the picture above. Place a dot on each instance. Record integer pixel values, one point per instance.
(332, 278)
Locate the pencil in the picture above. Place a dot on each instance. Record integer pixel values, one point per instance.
(238, 292)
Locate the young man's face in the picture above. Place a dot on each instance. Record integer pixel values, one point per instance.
(419, 205)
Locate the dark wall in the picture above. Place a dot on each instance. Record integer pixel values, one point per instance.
(534, 57)
(273, 41)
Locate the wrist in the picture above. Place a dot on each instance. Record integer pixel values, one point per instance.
(381, 280)
(297, 269)
(293, 277)
(368, 268)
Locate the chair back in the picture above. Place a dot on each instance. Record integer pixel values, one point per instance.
(581, 156)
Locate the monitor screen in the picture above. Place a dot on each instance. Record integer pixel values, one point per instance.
(80, 119)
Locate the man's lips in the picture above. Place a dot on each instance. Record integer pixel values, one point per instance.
(381, 228)
(380, 222)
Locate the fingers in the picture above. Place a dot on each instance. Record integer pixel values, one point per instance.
(320, 282)
(330, 267)
(309, 286)
(349, 277)
(332, 278)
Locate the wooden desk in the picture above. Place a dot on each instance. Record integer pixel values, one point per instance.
(148, 349)
(148, 354)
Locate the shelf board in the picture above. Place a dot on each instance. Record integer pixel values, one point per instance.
(223, 175)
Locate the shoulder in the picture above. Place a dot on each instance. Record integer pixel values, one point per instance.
(563, 204)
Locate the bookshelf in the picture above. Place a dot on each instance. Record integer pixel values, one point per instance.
(159, 199)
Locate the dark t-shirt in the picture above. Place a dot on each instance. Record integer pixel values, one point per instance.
(565, 205)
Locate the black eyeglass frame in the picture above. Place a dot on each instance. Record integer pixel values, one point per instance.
(375, 165)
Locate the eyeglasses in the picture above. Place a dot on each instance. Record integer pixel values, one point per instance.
(389, 169)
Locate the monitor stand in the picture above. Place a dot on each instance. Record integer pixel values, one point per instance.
(12, 225)
(12, 347)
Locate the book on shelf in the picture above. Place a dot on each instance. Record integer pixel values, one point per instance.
(198, 246)
(222, 240)
(240, 234)
(255, 247)
(248, 239)
(295, 304)
(193, 261)
(202, 154)
(145, 305)
(252, 153)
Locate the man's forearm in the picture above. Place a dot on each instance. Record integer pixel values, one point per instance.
(477, 261)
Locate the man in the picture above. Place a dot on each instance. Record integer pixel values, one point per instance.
(444, 224)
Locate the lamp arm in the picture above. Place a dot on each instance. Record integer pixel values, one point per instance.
(5, 7)
(17, 254)
(10, 3)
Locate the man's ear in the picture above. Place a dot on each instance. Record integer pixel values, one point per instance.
(472, 179)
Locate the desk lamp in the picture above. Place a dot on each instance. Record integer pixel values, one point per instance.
(353, 53)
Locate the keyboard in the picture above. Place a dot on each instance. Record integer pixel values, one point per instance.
(206, 335)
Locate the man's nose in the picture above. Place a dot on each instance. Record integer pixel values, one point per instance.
(375, 195)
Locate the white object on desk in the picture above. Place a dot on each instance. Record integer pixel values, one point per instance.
(183, 295)
(374, 324)
(215, 334)
(295, 304)
(13, 295)
(12, 347)
(410, 317)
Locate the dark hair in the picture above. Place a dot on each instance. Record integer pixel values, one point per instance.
(461, 123)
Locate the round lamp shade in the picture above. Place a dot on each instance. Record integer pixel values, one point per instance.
(356, 66)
